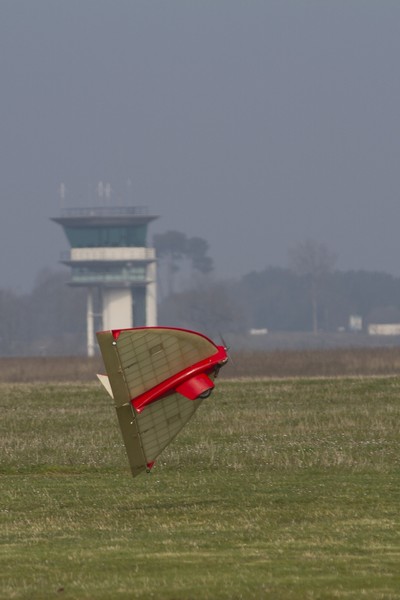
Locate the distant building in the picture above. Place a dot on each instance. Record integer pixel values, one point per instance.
(110, 257)
(261, 331)
(355, 323)
(384, 329)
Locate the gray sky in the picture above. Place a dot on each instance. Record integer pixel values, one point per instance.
(253, 124)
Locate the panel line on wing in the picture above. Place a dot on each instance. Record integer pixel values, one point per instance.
(148, 357)
(160, 422)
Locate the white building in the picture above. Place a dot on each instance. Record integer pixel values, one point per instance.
(110, 257)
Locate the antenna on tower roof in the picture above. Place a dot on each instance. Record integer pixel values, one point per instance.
(62, 193)
(100, 191)
(129, 191)
(107, 192)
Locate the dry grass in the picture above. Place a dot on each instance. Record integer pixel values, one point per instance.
(49, 369)
(259, 363)
(336, 362)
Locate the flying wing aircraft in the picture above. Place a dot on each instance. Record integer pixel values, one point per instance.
(158, 377)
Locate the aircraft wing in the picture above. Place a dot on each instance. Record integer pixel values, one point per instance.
(158, 377)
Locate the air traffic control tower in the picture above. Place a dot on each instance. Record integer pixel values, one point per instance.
(109, 257)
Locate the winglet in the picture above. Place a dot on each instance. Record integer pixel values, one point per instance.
(106, 382)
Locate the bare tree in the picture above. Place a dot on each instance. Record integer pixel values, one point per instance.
(312, 260)
(210, 309)
(196, 250)
(173, 247)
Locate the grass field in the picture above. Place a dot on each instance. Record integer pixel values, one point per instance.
(277, 489)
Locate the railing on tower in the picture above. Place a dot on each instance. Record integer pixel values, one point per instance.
(105, 211)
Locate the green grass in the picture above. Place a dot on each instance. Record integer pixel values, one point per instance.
(276, 489)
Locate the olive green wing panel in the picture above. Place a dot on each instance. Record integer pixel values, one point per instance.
(161, 421)
(130, 435)
(150, 356)
(108, 347)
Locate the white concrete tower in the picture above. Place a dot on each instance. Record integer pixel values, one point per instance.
(110, 257)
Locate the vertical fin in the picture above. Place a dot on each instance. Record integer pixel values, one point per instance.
(106, 383)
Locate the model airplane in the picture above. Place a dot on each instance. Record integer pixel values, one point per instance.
(158, 377)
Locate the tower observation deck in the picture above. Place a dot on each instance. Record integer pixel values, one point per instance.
(109, 256)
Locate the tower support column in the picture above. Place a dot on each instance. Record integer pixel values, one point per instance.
(117, 308)
(90, 323)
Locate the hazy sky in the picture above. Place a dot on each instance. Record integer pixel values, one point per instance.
(253, 124)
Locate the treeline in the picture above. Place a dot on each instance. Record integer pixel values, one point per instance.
(280, 299)
(51, 320)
